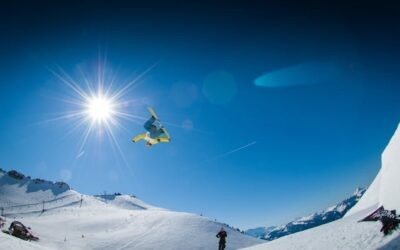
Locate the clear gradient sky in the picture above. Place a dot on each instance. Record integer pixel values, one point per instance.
(276, 110)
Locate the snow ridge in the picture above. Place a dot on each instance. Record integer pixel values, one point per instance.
(313, 220)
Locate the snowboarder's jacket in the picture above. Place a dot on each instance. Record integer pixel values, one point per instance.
(222, 236)
(389, 222)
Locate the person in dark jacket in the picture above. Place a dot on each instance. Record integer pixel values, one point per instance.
(222, 238)
(390, 222)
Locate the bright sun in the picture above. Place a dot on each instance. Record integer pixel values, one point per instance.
(100, 108)
(98, 104)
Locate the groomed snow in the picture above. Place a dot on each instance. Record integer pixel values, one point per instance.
(111, 222)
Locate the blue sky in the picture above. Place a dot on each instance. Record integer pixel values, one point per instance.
(308, 93)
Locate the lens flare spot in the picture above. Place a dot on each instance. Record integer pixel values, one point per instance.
(100, 108)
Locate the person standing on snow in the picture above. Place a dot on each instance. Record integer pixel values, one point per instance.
(222, 238)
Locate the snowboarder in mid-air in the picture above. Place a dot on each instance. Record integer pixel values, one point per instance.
(222, 238)
(155, 131)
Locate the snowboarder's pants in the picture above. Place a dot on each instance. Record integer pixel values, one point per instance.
(221, 245)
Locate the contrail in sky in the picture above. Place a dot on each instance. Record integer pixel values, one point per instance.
(235, 150)
(80, 154)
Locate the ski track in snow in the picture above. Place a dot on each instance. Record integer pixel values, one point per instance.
(103, 222)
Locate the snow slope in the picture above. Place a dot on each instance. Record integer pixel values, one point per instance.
(75, 221)
(19, 189)
(125, 201)
(384, 189)
(313, 220)
(348, 233)
(344, 234)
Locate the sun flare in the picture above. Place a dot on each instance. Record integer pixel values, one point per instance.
(100, 108)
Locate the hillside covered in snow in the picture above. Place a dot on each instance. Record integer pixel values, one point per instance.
(313, 220)
(65, 219)
(348, 232)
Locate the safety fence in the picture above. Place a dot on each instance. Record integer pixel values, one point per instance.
(58, 202)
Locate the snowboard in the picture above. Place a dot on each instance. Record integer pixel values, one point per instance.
(151, 110)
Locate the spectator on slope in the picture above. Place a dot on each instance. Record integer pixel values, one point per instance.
(222, 238)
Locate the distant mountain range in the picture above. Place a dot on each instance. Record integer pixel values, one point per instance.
(313, 220)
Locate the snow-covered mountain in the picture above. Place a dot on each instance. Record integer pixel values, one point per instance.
(65, 219)
(259, 232)
(307, 222)
(348, 233)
